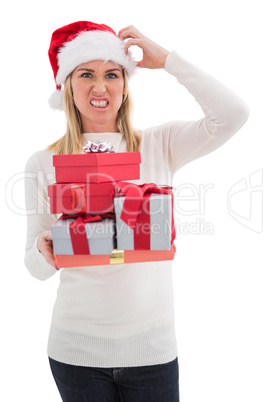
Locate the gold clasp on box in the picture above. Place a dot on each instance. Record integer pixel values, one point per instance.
(117, 257)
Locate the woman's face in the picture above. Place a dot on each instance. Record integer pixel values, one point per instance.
(98, 90)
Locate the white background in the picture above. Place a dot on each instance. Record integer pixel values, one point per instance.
(220, 279)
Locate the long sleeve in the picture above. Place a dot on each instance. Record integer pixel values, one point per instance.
(39, 218)
(224, 114)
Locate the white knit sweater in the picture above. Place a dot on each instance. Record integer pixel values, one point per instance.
(122, 315)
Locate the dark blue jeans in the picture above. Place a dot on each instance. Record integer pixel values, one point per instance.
(159, 383)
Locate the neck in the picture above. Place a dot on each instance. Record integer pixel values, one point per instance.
(95, 127)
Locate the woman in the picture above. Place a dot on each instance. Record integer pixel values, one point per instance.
(112, 335)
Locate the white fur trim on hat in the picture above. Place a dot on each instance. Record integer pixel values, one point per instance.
(89, 46)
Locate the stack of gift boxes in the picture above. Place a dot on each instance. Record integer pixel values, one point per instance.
(106, 220)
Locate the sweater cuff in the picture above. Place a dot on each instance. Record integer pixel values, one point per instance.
(192, 77)
(37, 264)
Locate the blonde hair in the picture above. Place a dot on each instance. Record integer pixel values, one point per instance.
(71, 142)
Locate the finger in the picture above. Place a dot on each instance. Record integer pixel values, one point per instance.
(127, 35)
(129, 32)
(49, 256)
(128, 28)
(47, 235)
(124, 30)
(50, 259)
(48, 246)
(133, 42)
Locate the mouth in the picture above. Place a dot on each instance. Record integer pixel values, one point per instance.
(101, 104)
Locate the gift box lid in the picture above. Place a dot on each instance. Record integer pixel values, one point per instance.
(97, 159)
(91, 189)
(101, 229)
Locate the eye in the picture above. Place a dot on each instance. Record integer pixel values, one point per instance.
(111, 76)
(86, 75)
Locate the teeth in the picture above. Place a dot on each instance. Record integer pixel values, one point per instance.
(101, 103)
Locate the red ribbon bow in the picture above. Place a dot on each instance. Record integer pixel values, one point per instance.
(78, 230)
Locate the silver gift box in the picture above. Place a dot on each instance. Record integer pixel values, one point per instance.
(100, 236)
(160, 210)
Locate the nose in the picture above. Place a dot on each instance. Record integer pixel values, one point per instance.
(99, 87)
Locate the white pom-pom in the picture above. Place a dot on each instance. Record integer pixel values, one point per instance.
(56, 100)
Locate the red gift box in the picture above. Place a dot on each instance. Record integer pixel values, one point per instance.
(97, 167)
(117, 257)
(72, 198)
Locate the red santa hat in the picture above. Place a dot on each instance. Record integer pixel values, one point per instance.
(81, 42)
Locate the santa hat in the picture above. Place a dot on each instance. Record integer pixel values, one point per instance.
(81, 42)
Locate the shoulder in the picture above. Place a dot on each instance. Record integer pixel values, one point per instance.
(42, 159)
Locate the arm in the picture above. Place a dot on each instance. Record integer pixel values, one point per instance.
(225, 113)
(38, 255)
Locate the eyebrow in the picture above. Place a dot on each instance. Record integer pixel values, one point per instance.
(93, 71)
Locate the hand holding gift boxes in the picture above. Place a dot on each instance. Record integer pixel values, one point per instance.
(89, 184)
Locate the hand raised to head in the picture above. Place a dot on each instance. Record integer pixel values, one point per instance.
(154, 56)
